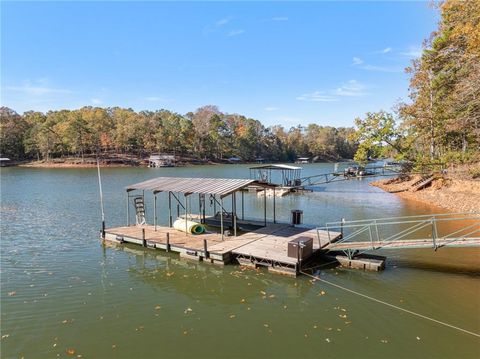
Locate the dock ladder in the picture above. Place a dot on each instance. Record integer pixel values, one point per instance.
(139, 210)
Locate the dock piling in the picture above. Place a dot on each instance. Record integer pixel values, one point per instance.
(144, 242)
(167, 248)
(205, 249)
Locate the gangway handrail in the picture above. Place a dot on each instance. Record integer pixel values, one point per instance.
(334, 224)
(415, 224)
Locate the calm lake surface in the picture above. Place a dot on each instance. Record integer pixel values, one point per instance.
(63, 294)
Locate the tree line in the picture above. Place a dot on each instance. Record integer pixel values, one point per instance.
(206, 133)
(441, 123)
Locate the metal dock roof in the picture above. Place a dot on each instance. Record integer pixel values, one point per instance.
(217, 186)
(276, 167)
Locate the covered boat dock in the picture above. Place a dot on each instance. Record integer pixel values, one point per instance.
(237, 239)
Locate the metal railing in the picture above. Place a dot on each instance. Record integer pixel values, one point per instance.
(405, 232)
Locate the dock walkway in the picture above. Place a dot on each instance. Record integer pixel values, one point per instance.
(266, 246)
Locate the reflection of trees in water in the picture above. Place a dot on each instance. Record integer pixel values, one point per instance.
(227, 285)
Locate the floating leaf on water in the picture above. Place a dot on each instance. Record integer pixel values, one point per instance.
(315, 327)
(169, 274)
(418, 338)
(248, 308)
(12, 293)
(265, 325)
(384, 341)
(188, 310)
(4, 336)
(114, 346)
(232, 316)
(185, 332)
(305, 335)
(158, 307)
(271, 296)
(54, 345)
(284, 307)
(327, 340)
(263, 292)
(70, 351)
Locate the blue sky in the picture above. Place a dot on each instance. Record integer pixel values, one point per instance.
(279, 62)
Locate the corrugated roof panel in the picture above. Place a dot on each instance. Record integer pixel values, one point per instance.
(218, 186)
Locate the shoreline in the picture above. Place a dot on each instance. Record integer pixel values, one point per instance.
(445, 193)
(132, 162)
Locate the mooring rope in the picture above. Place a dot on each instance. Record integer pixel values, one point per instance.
(391, 305)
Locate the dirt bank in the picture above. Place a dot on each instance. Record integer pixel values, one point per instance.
(456, 195)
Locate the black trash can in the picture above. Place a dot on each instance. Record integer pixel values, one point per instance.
(297, 216)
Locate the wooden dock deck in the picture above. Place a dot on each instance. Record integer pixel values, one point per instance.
(266, 246)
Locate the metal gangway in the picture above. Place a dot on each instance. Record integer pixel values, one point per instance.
(423, 231)
(337, 176)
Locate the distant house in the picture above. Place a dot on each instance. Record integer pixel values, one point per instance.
(161, 161)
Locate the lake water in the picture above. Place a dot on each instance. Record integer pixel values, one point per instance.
(63, 294)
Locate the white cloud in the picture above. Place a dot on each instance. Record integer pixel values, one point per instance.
(96, 101)
(236, 32)
(380, 68)
(157, 99)
(280, 18)
(413, 51)
(352, 88)
(271, 108)
(357, 61)
(317, 96)
(34, 90)
(223, 21)
(383, 51)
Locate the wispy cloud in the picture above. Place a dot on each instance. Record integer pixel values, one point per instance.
(279, 18)
(37, 90)
(351, 88)
(357, 61)
(271, 108)
(383, 51)
(381, 68)
(317, 96)
(223, 22)
(413, 51)
(96, 101)
(236, 32)
(157, 99)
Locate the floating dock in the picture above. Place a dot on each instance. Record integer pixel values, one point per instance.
(266, 246)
